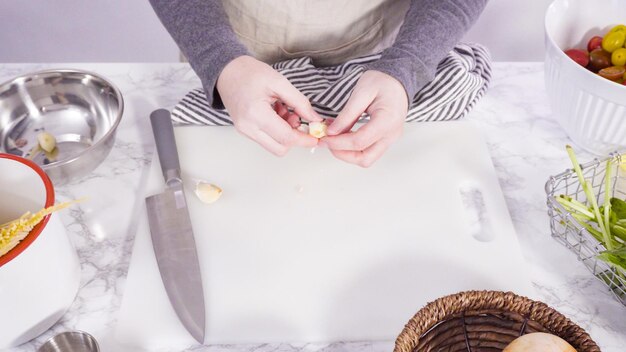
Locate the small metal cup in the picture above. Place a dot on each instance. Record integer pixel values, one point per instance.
(70, 341)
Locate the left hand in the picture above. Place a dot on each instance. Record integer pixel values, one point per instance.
(385, 100)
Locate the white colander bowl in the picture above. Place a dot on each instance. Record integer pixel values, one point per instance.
(591, 109)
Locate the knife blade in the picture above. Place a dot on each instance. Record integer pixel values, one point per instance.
(172, 234)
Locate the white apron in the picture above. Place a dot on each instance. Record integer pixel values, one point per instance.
(328, 31)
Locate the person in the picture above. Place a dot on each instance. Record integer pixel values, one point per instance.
(230, 44)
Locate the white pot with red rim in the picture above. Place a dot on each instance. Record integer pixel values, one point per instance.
(39, 278)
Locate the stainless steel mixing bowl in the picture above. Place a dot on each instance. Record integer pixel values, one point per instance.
(80, 109)
(71, 341)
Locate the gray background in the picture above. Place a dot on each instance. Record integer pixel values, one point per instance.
(129, 31)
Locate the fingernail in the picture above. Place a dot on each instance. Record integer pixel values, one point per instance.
(316, 115)
(331, 131)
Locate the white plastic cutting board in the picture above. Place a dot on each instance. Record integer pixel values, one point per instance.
(308, 248)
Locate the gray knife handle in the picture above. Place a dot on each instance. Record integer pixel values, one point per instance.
(166, 144)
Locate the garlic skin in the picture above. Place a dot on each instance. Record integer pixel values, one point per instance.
(539, 341)
(317, 129)
(207, 192)
(303, 128)
(46, 141)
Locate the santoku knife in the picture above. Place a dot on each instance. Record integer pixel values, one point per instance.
(172, 235)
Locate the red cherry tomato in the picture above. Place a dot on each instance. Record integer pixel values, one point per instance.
(581, 57)
(594, 43)
(599, 59)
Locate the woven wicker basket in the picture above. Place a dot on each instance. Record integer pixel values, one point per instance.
(485, 321)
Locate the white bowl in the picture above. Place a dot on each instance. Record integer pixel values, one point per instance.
(39, 278)
(591, 109)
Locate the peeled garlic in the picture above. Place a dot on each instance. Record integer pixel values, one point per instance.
(317, 129)
(52, 156)
(207, 192)
(34, 151)
(47, 142)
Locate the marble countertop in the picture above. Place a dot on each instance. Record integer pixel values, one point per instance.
(526, 144)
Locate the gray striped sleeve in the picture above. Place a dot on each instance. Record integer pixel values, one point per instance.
(203, 33)
(431, 29)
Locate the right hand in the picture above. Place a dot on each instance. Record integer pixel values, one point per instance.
(256, 97)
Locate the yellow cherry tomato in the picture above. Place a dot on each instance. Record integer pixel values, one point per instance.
(618, 58)
(618, 28)
(613, 41)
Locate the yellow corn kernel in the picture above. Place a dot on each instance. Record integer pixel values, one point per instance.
(15, 231)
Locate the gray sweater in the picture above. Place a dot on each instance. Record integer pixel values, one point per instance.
(430, 30)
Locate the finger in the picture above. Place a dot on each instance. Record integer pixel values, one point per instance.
(366, 157)
(281, 109)
(293, 120)
(358, 102)
(269, 143)
(284, 134)
(293, 98)
(361, 139)
(346, 129)
(262, 139)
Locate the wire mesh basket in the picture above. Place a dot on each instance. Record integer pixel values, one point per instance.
(567, 230)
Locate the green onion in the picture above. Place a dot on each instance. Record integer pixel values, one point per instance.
(590, 197)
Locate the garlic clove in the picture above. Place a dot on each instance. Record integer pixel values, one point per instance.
(47, 142)
(53, 155)
(317, 129)
(34, 151)
(208, 193)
